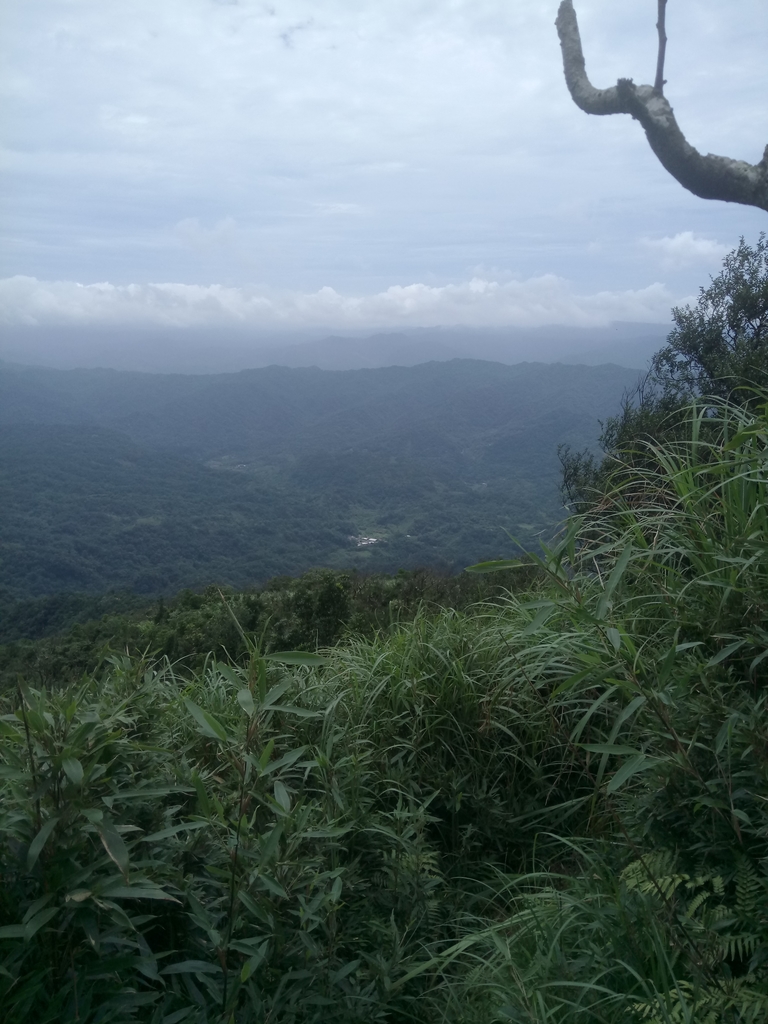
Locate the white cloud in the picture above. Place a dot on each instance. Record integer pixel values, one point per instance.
(477, 302)
(686, 248)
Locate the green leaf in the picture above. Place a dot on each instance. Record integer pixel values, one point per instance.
(285, 761)
(613, 581)
(296, 658)
(496, 566)
(12, 931)
(245, 700)
(638, 763)
(202, 794)
(138, 892)
(36, 907)
(609, 748)
(73, 770)
(615, 637)
(113, 843)
(36, 923)
(539, 620)
(192, 967)
(342, 973)
(37, 844)
(209, 726)
(725, 653)
(282, 796)
(276, 691)
(250, 965)
(165, 833)
(292, 709)
(273, 886)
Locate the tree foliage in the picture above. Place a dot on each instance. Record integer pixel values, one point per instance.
(720, 345)
(718, 348)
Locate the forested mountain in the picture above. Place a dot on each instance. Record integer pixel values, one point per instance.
(154, 482)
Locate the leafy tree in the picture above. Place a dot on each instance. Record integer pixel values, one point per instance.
(718, 348)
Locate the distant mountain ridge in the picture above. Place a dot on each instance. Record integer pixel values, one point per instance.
(206, 351)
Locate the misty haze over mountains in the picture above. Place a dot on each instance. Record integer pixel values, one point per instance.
(201, 351)
(153, 482)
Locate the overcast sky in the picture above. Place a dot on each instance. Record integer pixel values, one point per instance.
(359, 163)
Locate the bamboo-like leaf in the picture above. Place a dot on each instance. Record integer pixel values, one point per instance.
(113, 843)
(73, 770)
(192, 967)
(638, 763)
(142, 891)
(273, 886)
(282, 796)
(615, 638)
(202, 794)
(33, 926)
(292, 709)
(37, 844)
(209, 726)
(245, 700)
(253, 962)
(725, 653)
(296, 658)
(274, 693)
(284, 762)
(495, 566)
(344, 971)
(609, 748)
(539, 619)
(613, 581)
(174, 830)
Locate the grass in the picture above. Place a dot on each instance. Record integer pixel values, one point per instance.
(547, 810)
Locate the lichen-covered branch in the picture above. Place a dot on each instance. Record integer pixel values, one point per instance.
(710, 177)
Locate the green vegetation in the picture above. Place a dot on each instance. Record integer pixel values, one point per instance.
(535, 794)
(719, 347)
(553, 809)
(57, 639)
(148, 484)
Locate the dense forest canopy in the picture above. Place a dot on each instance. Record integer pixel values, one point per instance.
(150, 483)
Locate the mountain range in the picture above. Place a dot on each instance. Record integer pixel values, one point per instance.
(151, 482)
(209, 350)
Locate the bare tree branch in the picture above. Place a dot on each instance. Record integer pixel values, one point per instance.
(658, 85)
(710, 177)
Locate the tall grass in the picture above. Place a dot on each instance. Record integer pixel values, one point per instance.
(552, 810)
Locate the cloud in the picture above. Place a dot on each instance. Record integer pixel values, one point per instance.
(478, 302)
(685, 248)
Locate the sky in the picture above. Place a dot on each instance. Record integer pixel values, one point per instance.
(359, 164)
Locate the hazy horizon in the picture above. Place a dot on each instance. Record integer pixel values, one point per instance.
(196, 350)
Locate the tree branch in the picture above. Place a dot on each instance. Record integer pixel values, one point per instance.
(710, 176)
(658, 85)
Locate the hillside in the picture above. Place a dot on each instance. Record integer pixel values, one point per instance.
(548, 807)
(153, 482)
